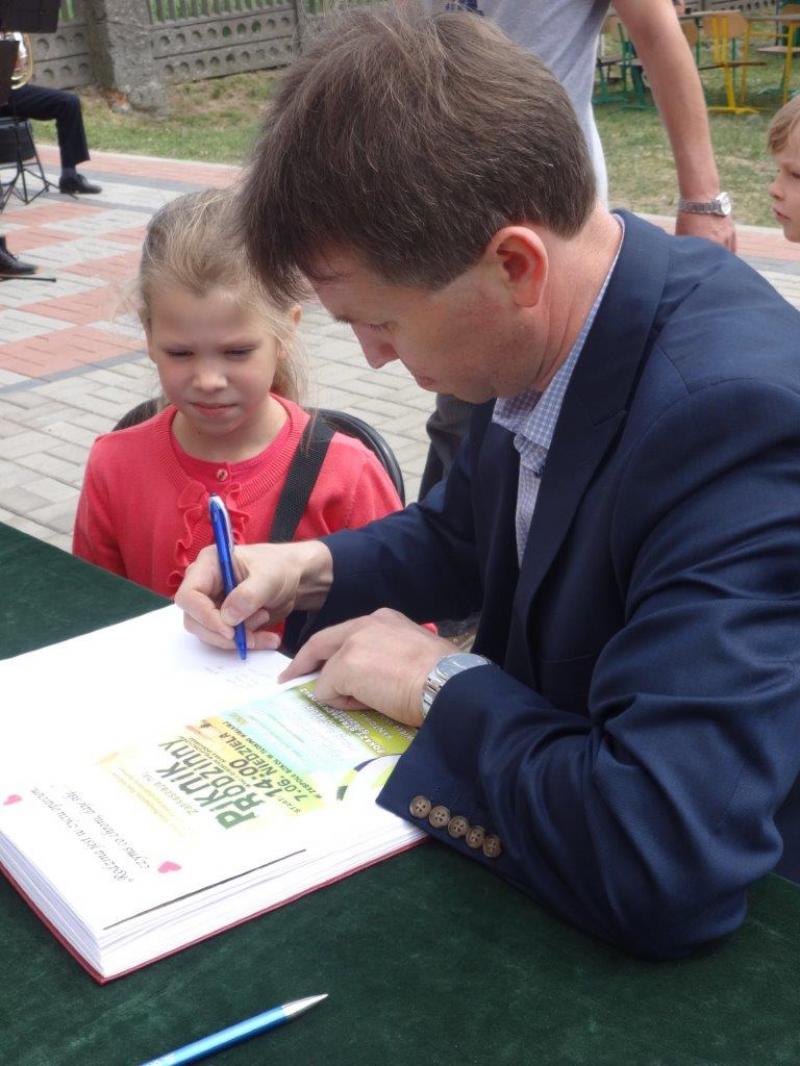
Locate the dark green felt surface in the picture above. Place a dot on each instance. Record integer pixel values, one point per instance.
(427, 958)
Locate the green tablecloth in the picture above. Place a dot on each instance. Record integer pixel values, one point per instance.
(427, 957)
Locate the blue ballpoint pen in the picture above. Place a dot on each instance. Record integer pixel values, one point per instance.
(234, 1033)
(223, 537)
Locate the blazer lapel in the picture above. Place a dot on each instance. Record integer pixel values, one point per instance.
(594, 407)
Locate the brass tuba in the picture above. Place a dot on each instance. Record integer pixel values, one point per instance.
(23, 68)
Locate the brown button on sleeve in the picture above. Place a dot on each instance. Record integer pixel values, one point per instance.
(420, 807)
(475, 836)
(457, 826)
(492, 848)
(439, 817)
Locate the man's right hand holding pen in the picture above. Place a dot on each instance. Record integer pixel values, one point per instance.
(378, 660)
(274, 580)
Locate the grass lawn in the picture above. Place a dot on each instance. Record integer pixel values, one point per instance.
(217, 120)
(640, 169)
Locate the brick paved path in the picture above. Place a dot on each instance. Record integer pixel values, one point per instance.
(72, 362)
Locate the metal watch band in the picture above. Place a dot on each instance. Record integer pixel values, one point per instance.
(448, 666)
(721, 205)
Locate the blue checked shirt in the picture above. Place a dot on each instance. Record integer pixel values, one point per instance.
(532, 417)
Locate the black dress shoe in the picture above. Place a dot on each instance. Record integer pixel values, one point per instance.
(10, 266)
(77, 184)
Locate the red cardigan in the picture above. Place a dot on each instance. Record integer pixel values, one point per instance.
(143, 509)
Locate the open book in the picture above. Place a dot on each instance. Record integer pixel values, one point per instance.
(154, 792)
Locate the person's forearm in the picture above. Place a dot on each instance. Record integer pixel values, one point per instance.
(677, 91)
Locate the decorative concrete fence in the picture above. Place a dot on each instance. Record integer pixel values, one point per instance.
(188, 39)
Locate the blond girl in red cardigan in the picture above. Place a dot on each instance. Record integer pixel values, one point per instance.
(231, 425)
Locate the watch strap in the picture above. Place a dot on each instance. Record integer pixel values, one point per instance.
(448, 666)
(721, 205)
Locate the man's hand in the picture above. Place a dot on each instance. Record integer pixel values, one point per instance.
(718, 228)
(274, 579)
(379, 661)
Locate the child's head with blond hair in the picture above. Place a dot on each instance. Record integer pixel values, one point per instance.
(220, 342)
(783, 140)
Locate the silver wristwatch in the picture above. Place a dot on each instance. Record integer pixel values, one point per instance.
(720, 205)
(447, 667)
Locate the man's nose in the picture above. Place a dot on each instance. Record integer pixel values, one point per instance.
(377, 353)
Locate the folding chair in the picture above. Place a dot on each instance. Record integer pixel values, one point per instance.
(728, 32)
(18, 151)
(790, 31)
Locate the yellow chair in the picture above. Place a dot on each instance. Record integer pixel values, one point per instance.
(789, 49)
(728, 34)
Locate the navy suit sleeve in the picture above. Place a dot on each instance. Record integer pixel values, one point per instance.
(644, 821)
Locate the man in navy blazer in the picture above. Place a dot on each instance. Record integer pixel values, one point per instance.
(624, 741)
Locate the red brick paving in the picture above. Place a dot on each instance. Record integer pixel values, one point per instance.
(81, 343)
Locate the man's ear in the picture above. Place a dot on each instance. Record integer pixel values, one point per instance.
(518, 256)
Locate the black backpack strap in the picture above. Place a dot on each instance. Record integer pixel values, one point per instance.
(300, 480)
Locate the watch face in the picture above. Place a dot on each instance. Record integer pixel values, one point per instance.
(724, 202)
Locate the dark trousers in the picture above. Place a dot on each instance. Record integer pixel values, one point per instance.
(34, 101)
(447, 427)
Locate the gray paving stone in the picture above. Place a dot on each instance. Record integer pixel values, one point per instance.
(51, 490)
(25, 525)
(59, 540)
(11, 473)
(113, 394)
(15, 294)
(63, 389)
(52, 466)
(71, 433)
(25, 443)
(8, 377)
(8, 429)
(19, 400)
(97, 405)
(96, 423)
(95, 222)
(18, 325)
(20, 500)
(72, 453)
(58, 516)
(42, 418)
(67, 253)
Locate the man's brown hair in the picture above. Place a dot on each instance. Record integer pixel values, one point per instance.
(783, 122)
(410, 139)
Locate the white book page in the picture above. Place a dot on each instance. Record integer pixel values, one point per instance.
(87, 694)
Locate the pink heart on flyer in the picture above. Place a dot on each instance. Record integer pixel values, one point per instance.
(168, 867)
(11, 799)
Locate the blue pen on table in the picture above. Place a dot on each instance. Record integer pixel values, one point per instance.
(223, 538)
(235, 1033)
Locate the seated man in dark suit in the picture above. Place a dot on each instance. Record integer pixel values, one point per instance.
(38, 102)
(625, 512)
